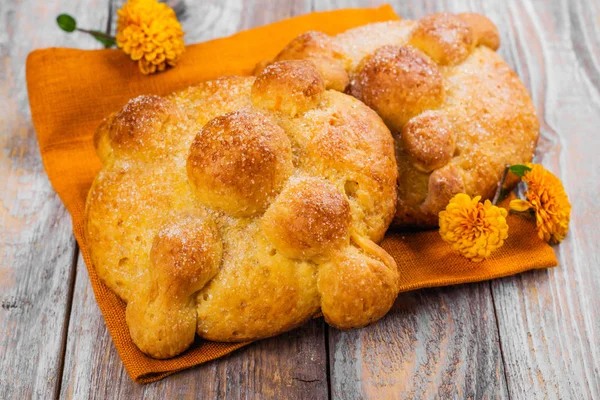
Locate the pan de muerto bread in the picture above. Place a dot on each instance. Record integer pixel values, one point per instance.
(242, 207)
(458, 113)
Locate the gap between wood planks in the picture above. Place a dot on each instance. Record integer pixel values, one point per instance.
(65, 329)
(327, 358)
(499, 339)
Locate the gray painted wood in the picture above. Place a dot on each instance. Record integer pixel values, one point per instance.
(36, 244)
(549, 321)
(530, 336)
(434, 343)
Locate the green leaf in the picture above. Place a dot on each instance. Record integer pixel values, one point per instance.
(66, 22)
(103, 38)
(519, 169)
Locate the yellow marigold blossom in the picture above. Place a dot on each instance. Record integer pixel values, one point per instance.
(148, 31)
(472, 228)
(547, 198)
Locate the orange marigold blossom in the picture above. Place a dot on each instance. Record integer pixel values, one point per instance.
(148, 31)
(546, 197)
(472, 228)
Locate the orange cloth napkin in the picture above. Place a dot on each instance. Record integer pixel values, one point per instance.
(71, 91)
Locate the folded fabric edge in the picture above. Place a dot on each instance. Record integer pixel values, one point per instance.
(483, 278)
(154, 376)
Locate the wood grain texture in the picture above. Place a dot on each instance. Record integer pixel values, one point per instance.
(550, 320)
(435, 343)
(36, 242)
(290, 366)
(531, 336)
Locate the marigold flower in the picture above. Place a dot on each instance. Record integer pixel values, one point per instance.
(547, 198)
(148, 31)
(472, 228)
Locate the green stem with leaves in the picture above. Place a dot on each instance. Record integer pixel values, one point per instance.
(68, 24)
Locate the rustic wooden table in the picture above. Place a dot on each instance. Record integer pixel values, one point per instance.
(535, 335)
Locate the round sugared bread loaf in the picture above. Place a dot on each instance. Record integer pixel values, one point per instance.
(242, 207)
(458, 113)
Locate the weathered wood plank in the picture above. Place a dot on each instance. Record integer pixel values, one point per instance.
(435, 343)
(36, 244)
(292, 365)
(438, 343)
(550, 320)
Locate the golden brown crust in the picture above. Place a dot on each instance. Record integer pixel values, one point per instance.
(239, 162)
(102, 138)
(291, 87)
(323, 51)
(428, 140)
(444, 183)
(309, 220)
(185, 254)
(354, 281)
(348, 145)
(444, 37)
(139, 125)
(215, 210)
(457, 111)
(398, 82)
(484, 31)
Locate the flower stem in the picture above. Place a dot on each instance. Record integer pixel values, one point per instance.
(107, 40)
(97, 34)
(499, 187)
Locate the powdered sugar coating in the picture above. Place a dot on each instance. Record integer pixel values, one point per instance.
(444, 63)
(176, 222)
